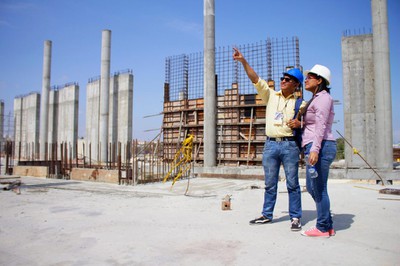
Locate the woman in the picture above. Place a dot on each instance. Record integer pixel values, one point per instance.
(319, 146)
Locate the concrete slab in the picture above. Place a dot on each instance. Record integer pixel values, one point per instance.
(61, 222)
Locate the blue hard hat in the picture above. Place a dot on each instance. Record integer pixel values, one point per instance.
(296, 73)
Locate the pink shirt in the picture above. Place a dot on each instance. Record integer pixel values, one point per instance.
(318, 121)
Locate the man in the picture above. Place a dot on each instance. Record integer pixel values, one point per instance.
(280, 146)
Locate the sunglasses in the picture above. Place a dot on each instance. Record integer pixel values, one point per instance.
(311, 77)
(286, 79)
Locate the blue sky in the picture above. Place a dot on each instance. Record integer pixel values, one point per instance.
(144, 33)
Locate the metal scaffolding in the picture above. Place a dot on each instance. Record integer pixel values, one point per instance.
(240, 111)
(269, 58)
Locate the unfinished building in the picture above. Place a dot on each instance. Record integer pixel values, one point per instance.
(62, 122)
(26, 132)
(120, 116)
(359, 95)
(367, 93)
(240, 112)
(63, 117)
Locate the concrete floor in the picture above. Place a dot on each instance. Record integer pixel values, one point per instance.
(60, 222)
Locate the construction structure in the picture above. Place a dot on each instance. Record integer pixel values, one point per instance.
(208, 98)
(1, 121)
(63, 107)
(109, 111)
(26, 126)
(46, 126)
(120, 114)
(209, 87)
(8, 125)
(104, 93)
(359, 98)
(44, 101)
(62, 122)
(240, 116)
(6, 138)
(47, 120)
(383, 95)
(367, 93)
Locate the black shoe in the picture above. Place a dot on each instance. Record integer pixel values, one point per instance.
(296, 224)
(260, 220)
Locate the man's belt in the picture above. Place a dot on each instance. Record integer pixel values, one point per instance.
(282, 139)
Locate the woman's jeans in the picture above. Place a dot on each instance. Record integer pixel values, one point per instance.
(317, 187)
(276, 153)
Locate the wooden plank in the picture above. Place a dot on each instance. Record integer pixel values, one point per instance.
(2, 177)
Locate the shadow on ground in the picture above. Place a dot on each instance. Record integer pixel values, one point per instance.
(48, 185)
(341, 221)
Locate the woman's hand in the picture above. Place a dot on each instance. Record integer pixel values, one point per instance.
(313, 158)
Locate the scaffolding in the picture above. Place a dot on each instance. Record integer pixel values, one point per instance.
(269, 58)
(240, 112)
(6, 123)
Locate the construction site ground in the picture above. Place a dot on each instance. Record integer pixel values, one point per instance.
(66, 222)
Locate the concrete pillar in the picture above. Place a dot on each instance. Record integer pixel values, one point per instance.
(1, 122)
(104, 93)
(210, 94)
(44, 101)
(359, 99)
(383, 101)
(17, 125)
(92, 119)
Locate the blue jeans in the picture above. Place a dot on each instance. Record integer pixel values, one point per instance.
(287, 153)
(317, 187)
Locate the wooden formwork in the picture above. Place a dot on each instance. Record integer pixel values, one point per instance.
(240, 127)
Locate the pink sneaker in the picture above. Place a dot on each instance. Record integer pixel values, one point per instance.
(331, 232)
(315, 232)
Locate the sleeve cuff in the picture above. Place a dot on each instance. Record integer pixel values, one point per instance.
(258, 81)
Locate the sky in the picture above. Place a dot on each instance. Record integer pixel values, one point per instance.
(145, 33)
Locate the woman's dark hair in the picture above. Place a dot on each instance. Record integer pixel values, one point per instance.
(323, 86)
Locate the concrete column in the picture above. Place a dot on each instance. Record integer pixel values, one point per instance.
(359, 99)
(383, 101)
(1, 122)
(210, 94)
(44, 99)
(104, 93)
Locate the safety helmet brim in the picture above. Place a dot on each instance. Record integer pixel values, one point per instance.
(295, 73)
(320, 71)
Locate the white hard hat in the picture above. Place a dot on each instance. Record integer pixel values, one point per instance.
(321, 71)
